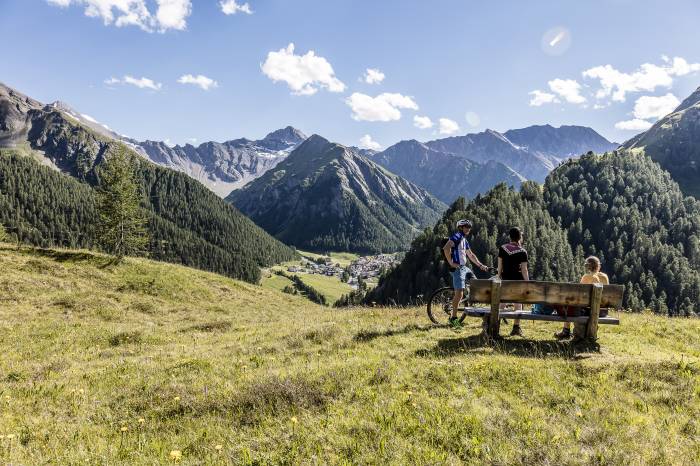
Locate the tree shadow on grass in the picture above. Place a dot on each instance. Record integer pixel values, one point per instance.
(369, 335)
(73, 257)
(524, 348)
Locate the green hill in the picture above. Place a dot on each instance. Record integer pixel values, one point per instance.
(126, 364)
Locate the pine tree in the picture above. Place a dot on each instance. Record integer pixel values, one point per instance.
(122, 225)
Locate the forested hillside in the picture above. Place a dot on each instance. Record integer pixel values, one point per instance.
(627, 210)
(46, 208)
(424, 269)
(620, 206)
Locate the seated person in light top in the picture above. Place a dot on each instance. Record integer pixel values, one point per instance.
(592, 275)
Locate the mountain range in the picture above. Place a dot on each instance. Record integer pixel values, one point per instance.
(445, 175)
(325, 196)
(674, 142)
(223, 167)
(474, 163)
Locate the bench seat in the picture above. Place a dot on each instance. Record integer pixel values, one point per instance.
(524, 315)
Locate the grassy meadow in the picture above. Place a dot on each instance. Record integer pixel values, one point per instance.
(153, 363)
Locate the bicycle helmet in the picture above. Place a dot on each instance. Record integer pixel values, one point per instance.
(464, 223)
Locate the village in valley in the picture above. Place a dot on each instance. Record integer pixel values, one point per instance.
(362, 268)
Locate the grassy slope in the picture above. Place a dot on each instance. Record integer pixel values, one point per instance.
(331, 287)
(342, 258)
(89, 348)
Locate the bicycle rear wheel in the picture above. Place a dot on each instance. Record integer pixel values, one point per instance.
(440, 305)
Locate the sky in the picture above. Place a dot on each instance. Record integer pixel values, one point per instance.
(359, 72)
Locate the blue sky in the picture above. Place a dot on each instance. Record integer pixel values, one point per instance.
(608, 64)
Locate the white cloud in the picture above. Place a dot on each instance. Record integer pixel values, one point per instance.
(366, 142)
(633, 125)
(647, 77)
(540, 98)
(141, 83)
(568, 89)
(170, 14)
(648, 107)
(422, 122)
(373, 76)
(304, 74)
(384, 107)
(448, 126)
(199, 80)
(230, 7)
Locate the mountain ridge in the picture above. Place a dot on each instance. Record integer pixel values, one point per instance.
(674, 142)
(325, 196)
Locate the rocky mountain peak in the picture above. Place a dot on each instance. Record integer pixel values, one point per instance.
(289, 136)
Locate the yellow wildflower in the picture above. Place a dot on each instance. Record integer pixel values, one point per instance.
(124, 428)
(294, 420)
(177, 398)
(219, 447)
(142, 420)
(176, 455)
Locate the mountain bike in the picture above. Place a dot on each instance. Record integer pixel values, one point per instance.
(440, 303)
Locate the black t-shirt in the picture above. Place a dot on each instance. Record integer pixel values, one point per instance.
(512, 256)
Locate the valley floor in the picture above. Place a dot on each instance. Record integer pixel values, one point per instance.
(149, 363)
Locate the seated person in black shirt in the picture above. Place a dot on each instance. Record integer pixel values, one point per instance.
(512, 265)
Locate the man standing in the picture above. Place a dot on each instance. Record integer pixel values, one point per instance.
(457, 252)
(512, 265)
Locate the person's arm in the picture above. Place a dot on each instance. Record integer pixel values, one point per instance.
(500, 267)
(472, 257)
(523, 270)
(447, 251)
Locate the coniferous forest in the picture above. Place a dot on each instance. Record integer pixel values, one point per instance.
(621, 207)
(187, 224)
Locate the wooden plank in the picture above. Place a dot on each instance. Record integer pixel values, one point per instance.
(523, 315)
(596, 295)
(531, 292)
(494, 320)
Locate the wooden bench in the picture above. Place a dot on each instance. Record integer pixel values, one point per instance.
(594, 296)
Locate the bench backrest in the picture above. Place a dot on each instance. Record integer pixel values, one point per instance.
(531, 292)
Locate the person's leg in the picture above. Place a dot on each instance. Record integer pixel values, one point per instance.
(516, 331)
(458, 277)
(455, 302)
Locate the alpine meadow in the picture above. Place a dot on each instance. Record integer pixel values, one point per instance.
(236, 232)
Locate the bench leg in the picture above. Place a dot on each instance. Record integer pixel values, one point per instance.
(592, 327)
(579, 331)
(494, 317)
